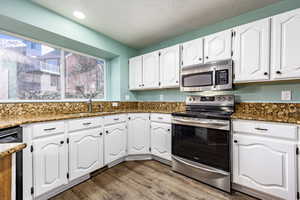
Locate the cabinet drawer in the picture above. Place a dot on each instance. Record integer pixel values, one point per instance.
(79, 124)
(156, 117)
(114, 119)
(276, 130)
(49, 128)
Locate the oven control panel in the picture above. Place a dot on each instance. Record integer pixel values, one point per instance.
(222, 100)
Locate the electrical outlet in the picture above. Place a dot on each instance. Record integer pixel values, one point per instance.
(115, 104)
(127, 97)
(161, 97)
(286, 95)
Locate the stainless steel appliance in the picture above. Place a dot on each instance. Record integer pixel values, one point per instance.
(209, 76)
(201, 140)
(14, 135)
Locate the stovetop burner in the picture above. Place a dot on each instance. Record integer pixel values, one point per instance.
(212, 107)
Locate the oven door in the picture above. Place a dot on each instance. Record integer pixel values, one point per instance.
(206, 143)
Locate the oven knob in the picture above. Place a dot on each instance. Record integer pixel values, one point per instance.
(190, 99)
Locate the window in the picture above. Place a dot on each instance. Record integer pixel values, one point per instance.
(84, 76)
(33, 71)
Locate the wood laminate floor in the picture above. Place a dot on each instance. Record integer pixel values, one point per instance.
(144, 180)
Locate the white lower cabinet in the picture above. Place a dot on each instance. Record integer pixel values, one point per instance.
(161, 140)
(265, 164)
(115, 142)
(138, 134)
(85, 152)
(50, 164)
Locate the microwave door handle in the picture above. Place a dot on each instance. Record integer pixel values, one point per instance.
(214, 77)
(200, 167)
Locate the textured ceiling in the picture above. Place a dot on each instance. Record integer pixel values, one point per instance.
(139, 23)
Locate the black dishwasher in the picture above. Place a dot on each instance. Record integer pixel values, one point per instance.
(14, 135)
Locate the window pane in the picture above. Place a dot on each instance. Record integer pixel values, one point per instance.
(84, 76)
(28, 70)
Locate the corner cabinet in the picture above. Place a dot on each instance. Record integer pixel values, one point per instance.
(50, 164)
(135, 73)
(286, 45)
(85, 152)
(115, 142)
(217, 46)
(252, 51)
(161, 140)
(169, 67)
(138, 134)
(151, 70)
(192, 52)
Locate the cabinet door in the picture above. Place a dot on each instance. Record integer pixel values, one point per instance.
(50, 164)
(286, 45)
(169, 67)
(265, 165)
(192, 52)
(217, 46)
(115, 142)
(151, 70)
(161, 140)
(135, 73)
(138, 134)
(252, 51)
(85, 152)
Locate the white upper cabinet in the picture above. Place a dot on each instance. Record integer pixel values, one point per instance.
(286, 45)
(169, 67)
(252, 51)
(192, 52)
(161, 140)
(138, 134)
(85, 152)
(50, 164)
(135, 73)
(115, 142)
(151, 70)
(265, 165)
(217, 46)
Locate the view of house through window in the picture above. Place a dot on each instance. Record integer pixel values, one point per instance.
(84, 77)
(32, 71)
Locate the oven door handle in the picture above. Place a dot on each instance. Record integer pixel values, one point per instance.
(200, 167)
(199, 122)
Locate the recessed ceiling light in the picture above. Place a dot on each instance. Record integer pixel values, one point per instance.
(78, 14)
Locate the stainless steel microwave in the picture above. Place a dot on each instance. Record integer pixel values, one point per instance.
(210, 76)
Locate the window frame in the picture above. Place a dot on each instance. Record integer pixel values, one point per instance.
(62, 75)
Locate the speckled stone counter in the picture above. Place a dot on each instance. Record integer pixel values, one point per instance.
(25, 113)
(10, 148)
(272, 112)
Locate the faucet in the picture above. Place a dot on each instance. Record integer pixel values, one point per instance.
(90, 105)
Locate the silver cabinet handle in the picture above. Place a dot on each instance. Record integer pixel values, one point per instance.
(116, 119)
(202, 167)
(87, 123)
(261, 129)
(49, 129)
(160, 118)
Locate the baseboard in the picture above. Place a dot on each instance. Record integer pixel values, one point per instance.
(253, 192)
(61, 189)
(116, 162)
(139, 157)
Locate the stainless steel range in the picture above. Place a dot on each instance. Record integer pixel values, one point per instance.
(201, 140)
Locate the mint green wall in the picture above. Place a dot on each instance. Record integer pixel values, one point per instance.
(30, 20)
(254, 92)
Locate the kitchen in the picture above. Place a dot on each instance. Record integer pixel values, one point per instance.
(201, 102)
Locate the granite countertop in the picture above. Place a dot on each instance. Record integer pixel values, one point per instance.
(10, 148)
(11, 121)
(271, 112)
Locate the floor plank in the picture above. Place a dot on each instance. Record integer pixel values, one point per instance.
(144, 180)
